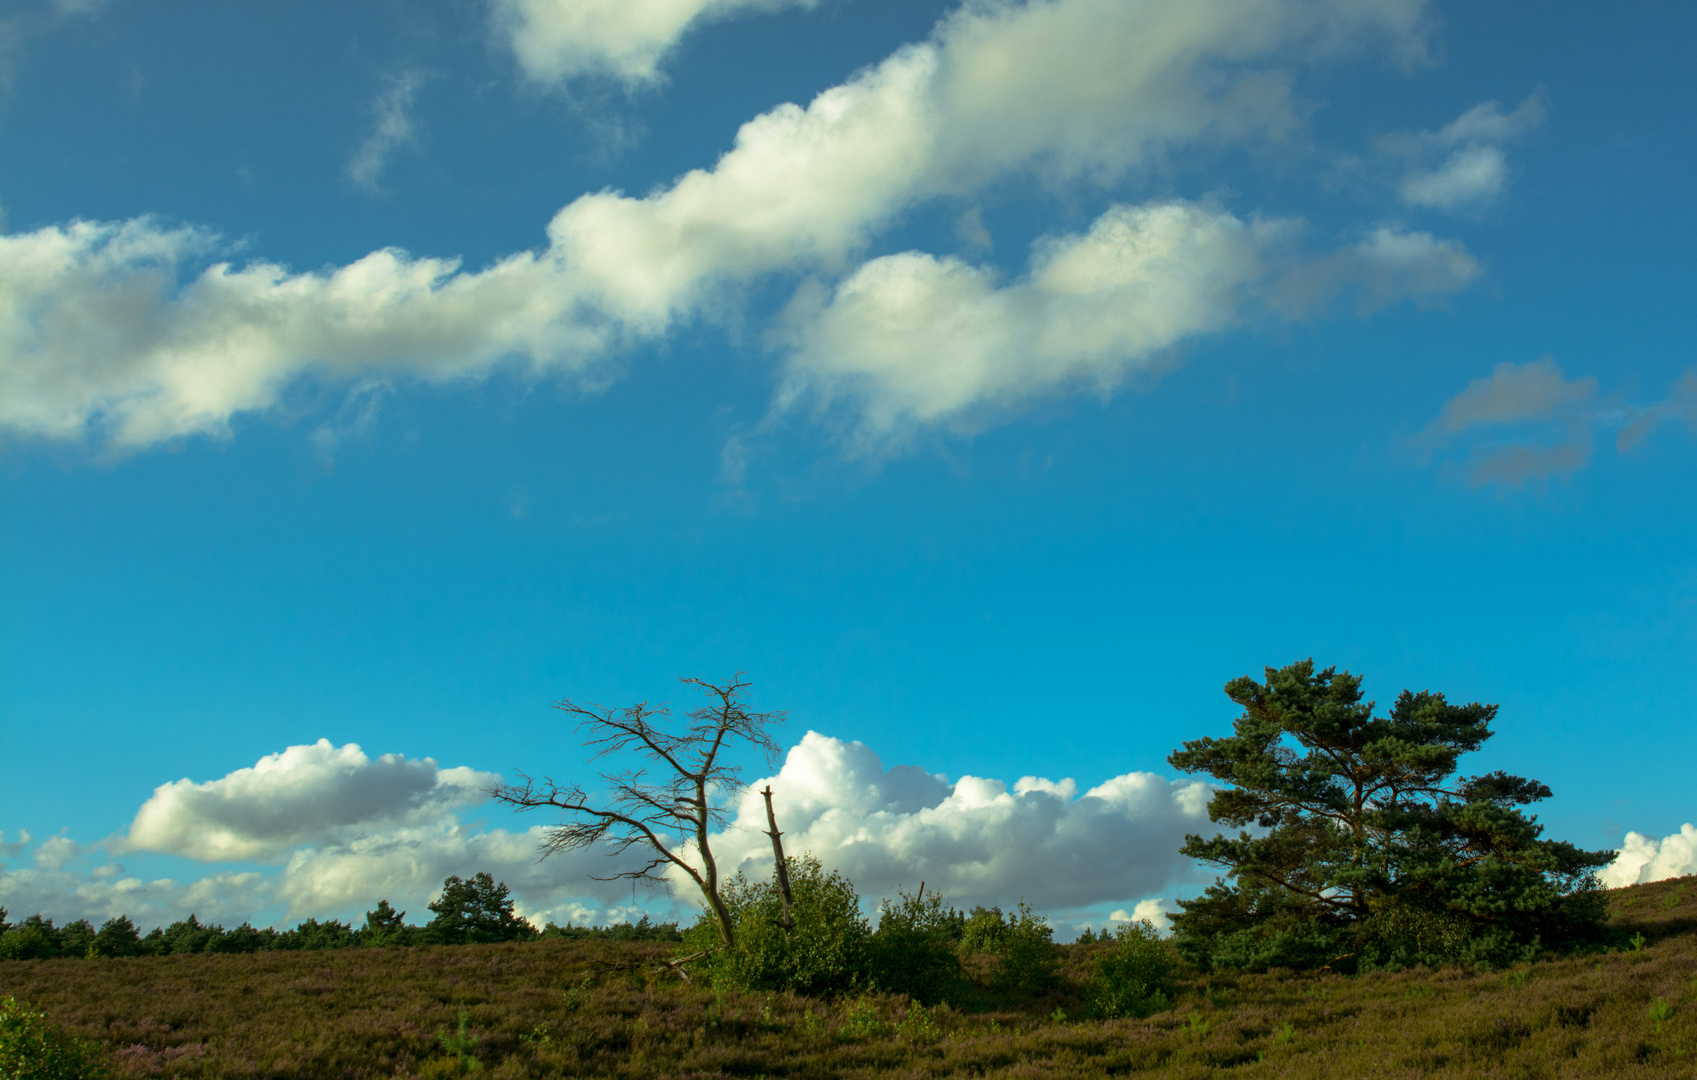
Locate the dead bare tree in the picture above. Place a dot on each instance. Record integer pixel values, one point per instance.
(659, 813)
(778, 858)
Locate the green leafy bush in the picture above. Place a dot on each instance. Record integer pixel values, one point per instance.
(1138, 977)
(1022, 943)
(828, 952)
(32, 1047)
(914, 950)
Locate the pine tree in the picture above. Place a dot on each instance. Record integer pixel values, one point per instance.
(1365, 851)
(474, 911)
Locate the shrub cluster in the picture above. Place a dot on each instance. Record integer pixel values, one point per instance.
(918, 948)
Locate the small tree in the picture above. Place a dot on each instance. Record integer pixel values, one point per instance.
(384, 926)
(658, 815)
(1367, 851)
(475, 912)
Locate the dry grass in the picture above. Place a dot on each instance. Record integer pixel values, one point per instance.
(538, 1010)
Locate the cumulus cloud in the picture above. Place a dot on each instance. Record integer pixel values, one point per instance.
(558, 40)
(973, 840)
(1463, 164)
(394, 128)
(313, 794)
(108, 329)
(349, 830)
(914, 339)
(1644, 859)
(1541, 423)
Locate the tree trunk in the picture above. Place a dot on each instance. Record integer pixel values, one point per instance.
(778, 858)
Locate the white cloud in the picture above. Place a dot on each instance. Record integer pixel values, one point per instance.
(313, 794)
(1149, 911)
(394, 128)
(972, 840)
(100, 335)
(1644, 859)
(557, 40)
(65, 894)
(354, 830)
(1462, 165)
(10, 849)
(914, 339)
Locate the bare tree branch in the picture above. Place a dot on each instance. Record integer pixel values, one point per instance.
(641, 811)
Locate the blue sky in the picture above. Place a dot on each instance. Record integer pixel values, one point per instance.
(1017, 376)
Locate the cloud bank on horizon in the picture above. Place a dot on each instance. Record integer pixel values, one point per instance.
(343, 830)
(131, 333)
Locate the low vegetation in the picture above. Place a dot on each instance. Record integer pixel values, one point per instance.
(598, 1007)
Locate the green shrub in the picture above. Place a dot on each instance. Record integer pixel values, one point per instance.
(27, 942)
(1137, 977)
(914, 948)
(828, 952)
(1022, 942)
(32, 1047)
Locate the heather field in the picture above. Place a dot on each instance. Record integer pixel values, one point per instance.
(576, 1008)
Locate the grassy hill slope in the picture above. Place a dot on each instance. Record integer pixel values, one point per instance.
(559, 1009)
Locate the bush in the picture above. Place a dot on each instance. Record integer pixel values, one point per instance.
(828, 952)
(34, 1048)
(914, 950)
(1021, 942)
(1137, 977)
(29, 941)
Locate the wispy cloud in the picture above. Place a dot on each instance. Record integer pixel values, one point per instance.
(1530, 422)
(1463, 165)
(394, 128)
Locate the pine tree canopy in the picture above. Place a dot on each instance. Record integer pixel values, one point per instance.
(1356, 844)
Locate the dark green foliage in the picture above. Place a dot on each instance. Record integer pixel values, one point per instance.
(828, 952)
(384, 926)
(1366, 852)
(915, 949)
(76, 938)
(33, 939)
(247, 939)
(1138, 976)
(32, 1047)
(477, 911)
(1021, 942)
(312, 934)
(641, 930)
(117, 937)
(189, 936)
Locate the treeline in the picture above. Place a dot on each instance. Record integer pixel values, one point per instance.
(469, 912)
